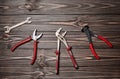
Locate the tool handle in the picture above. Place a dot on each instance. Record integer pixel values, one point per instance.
(20, 43)
(72, 57)
(106, 41)
(35, 52)
(57, 61)
(94, 52)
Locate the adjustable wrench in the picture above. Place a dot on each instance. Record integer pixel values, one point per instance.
(19, 24)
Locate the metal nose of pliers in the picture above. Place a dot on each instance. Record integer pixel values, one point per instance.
(34, 37)
(58, 31)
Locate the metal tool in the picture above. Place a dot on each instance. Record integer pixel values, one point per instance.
(90, 34)
(33, 37)
(19, 24)
(59, 40)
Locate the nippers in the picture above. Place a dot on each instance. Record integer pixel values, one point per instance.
(59, 40)
(33, 37)
(90, 34)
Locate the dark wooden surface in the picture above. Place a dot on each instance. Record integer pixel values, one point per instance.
(103, 17)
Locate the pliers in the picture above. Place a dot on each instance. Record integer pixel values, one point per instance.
(33, 37)
(59, 40)
(90, 34)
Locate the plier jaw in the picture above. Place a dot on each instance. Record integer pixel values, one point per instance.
(61, 36)
(90, 34)
(34, 37)
(85, 28)
(58, 31)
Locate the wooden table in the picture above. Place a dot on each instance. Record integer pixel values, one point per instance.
(103, 17)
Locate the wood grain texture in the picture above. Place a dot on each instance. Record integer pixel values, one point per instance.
(60, 7)
(103, 17)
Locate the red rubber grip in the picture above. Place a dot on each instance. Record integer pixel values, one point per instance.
(20, 43)
(35, 53)
(72, 57)
(57, 67)
(106, 41)
(57, 61)
(94, 52)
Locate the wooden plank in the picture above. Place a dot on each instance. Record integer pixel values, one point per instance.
(101, 71)
(81, 62)
(98, 23)
(28, 70)
(17, 77)
(44, 52)
(59, 7)
(83, 59)
(64, 20)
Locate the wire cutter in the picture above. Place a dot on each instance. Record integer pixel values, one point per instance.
(33, 37)
(90, 34)
(59, 40)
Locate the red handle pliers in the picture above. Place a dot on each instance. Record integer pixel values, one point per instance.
(33, 37)
(90, 34)
(59, 40)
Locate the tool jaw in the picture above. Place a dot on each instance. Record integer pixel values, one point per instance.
(28, 20)
(85, 28)
(34, 37)
(61, 36)
(58, 35)
(58, 31)
(8, 29)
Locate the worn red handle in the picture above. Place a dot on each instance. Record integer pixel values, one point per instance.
(106, 41)
(93, 51)
(35, 53)
(57, 61)
(72, 57)
(20, 43)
